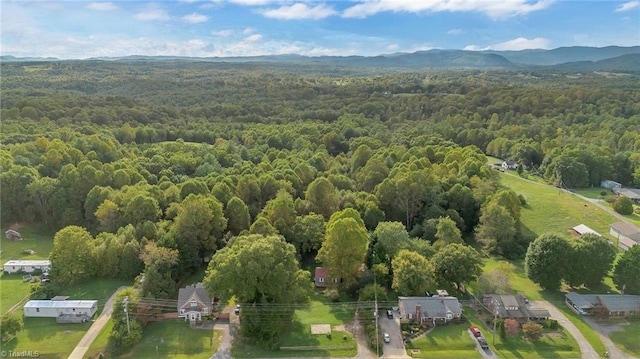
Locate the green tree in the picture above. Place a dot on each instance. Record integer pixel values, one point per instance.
(345, 246)
(108, 215)
(532, 331)
(262, 273)
(124, 336)
(237, 214)
(625, 272)
(497, 231)
(412, 273)
(497, 281)
(371, 292)
(158, 272)
(72, 256)
(308, 233)
(591, 260)
(10, 325)
(623, 205)
(456, 263)
(323, 197)
(391, 237)
(447, 231)
(281, 213)
(546, 260)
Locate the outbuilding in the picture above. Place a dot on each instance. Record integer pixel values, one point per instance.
(27, 266)
(57, 308)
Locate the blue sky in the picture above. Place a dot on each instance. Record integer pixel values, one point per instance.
(83, 29)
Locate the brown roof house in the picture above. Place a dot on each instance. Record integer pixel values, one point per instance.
(627, 234)
(610, 305)
(430, 310)
(194, 303)
(514, 307)
(322, 278)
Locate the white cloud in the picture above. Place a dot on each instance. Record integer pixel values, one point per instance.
(392, 47)
(627, 6)
(250, 2)
(300, 11)
(223, 33)
(195, 18)
(151, 15)
(248, 30)
(102, 6)
(455, 32)
(520, 43)
(492, 8)
(253, 38)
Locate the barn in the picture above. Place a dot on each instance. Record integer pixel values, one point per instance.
(27, 266)
(57, 308)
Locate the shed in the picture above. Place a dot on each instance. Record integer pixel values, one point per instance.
(13, 234)
(608, 184)
(27, 266)
(56, 308)
(582, 229)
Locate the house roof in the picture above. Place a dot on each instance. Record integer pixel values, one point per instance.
(613, 302)
(195, 292)
(582, 229)
(61, 304)
(31, 262)
(515, 306)
(431, 307)
(321, 272)
(627, 230)
(630, 193)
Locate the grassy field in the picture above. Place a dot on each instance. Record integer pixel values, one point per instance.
(552, 210)
(627, 339)
(175, 339)
(555, 344)
(319, 311)
(450, 341)
(50, 339)
(12, 289)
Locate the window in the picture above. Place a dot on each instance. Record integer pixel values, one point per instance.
(181, 311)
(194, 303)
(336, 280)
(37, 310)
(321, 280)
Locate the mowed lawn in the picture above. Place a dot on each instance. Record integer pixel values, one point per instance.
(554, 344)
(318, 311)
(550, 209)
(628, 339)
(175, 339)
(12, 289)
(448, 341)
(50, 339)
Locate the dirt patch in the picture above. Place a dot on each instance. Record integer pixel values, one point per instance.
(320, 328)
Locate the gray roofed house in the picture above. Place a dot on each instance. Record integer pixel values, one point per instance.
(627, 234)
(430, 310)
(194, 303)
(616, 305)
(632, 193)
(514, 307)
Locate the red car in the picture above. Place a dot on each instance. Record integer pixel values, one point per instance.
(475, 331)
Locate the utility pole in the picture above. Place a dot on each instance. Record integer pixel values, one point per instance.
(375, 314)
(125, 301)
(495, 320)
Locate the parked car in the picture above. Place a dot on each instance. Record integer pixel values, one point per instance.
(483, 343)
(386, 337)
(45, 277)
(237, 310)
(389, 314)
(475, 331)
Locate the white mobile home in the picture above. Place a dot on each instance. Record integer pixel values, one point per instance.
(57, 308)
(26, 266)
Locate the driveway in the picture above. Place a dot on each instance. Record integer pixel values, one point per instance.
(586, 350)
(486, 353)
(395, 347)
(95, 329)
(603, 333)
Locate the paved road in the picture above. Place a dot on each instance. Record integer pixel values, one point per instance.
(486, 353)
(95, 329)
(586, 350)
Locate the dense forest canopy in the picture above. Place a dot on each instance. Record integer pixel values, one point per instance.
(189, 154)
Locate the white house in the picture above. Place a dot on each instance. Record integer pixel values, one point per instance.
(194, 303)
(56, 308)
(26, 266)
(510, 165)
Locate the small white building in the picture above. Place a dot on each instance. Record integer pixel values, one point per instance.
(57, 308)
(27, 266)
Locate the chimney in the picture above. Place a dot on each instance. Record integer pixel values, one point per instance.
(419, 313)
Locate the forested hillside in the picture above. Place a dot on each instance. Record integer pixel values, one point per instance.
(187, 154)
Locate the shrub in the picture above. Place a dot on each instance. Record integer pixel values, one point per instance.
(551, 324)
(523, 200)
(603, 193)
(333, 294)
(532, 331)
(623, 205)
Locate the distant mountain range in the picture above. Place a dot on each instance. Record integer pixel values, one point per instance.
(611, 58)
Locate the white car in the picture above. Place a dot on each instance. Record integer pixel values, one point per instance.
(386, 337)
